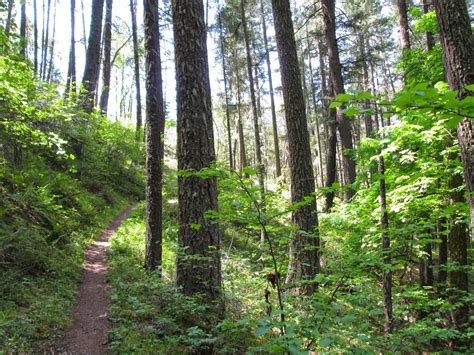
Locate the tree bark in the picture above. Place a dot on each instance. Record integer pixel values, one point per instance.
(458, 56)
(403, 24)
(107, 64)
(457, 43)
(276, 143)
(198, 264)
(387, 273)
(335, 70)
(304, 246)
(91, 70)
(136, 60)
(155, 122)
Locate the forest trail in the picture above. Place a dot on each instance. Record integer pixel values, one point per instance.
(88, 333)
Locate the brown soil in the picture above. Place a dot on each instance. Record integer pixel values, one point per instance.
(88, 333)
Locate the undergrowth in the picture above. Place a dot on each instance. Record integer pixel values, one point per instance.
(63, 176)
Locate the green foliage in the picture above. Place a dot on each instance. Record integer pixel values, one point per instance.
(149, 315)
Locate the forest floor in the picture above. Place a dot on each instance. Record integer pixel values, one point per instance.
(88, 333)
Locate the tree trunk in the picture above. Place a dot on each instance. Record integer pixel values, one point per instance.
(387, 273)
(276, 143)
(198, 264)
(304, 247)
(457, 250)
(91, 70)
(338, 88)
(403, 24)
(23, 30)
(457, 43)
(331, 137)
(136, 60)
(107, 65)
(226, 95)
(71, 77)
(258, 144)
(458, 56)
(155, 122)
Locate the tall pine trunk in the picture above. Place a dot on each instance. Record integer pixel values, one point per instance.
(155, 122)
(457, 43)
(198, 265)
(330, 127)
(91, 70)
(403, 24)
(304, 246)
(335, 71)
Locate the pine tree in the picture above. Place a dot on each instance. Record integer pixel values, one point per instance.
(155, 122)
(198, 265)
(304, 261)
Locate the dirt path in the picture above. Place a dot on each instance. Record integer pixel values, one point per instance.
(88, 334)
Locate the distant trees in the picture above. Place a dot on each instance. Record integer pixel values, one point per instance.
(198, 265)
